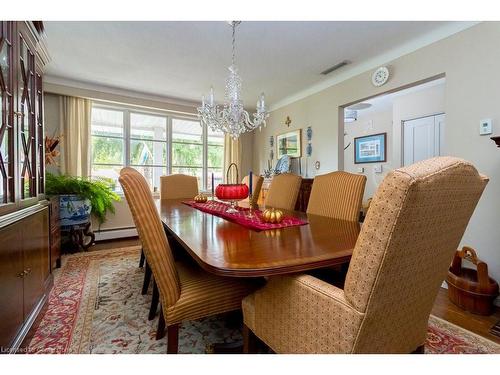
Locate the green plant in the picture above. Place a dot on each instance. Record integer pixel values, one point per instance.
(98, 191)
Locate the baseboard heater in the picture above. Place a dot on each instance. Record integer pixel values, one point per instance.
(111, 234)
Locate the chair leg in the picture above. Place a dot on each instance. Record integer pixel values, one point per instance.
(419, 350)
(154, 302)
(249, 341)
(143, 258)
(147, 279)
(173, 339)
(160, 331)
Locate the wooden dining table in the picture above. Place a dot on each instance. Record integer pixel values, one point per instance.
(226, 248)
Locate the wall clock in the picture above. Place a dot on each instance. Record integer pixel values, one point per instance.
(380, 76)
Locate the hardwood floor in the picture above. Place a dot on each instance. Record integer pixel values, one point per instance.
(443, 307)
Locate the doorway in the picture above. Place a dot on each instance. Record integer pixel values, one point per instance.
(410, 122)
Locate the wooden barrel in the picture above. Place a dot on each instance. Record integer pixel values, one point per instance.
(472, 290)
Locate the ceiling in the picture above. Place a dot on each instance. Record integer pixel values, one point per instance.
(183, 59)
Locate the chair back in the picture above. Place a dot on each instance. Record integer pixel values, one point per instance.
(151, 233)
(411, 232)
(337, 195)
(178, 186)
(256, 186)
(283, 191)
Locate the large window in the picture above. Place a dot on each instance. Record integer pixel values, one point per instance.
(155, 144)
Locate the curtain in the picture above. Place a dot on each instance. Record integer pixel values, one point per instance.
(75, 114)
(232, 154)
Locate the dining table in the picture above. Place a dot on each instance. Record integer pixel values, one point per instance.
(226, 248)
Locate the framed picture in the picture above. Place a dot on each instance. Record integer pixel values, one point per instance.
(370, 148)
(289, 144)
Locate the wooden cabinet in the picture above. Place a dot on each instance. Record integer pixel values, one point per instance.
(25, 277)
(24, 217)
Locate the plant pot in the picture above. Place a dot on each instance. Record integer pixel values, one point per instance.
(74, 210)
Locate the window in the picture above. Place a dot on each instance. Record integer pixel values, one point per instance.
(155, 144)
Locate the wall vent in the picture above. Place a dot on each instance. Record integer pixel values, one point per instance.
(335, 67)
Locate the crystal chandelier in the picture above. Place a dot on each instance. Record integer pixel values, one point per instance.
(231, 117)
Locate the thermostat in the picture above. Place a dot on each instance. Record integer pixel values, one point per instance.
(485, 127)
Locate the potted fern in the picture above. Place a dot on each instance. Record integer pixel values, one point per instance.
(80, 197)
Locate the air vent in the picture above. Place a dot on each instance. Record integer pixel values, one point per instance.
(335, 67)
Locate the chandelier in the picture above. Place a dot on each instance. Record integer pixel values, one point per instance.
(231, 117)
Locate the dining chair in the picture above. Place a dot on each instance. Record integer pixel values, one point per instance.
(411, 232)
(186, 292)
(174, 186)
(283, 191)
(178, 186)
(257, 182)
(337, 195)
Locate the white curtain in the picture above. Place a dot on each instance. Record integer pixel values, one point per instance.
(75, 116)
(232, 154)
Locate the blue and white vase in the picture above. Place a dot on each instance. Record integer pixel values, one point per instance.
(74, 210)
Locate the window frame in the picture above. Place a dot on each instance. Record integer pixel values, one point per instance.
(127, 111)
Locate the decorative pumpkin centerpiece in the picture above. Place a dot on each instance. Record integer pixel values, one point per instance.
(201, 198)
(232, 192)
(273, 216)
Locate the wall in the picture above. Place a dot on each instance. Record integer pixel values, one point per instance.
(472, 92)
(371, 121)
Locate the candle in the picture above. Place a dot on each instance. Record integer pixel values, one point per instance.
(250, 182)
(213, 185)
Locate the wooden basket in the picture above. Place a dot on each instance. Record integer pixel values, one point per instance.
(472, 290)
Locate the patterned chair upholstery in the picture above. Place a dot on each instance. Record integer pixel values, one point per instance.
(177, 186)
(186, 292)
(411, 232)
(257, 182)
(338, 195)
(283, 191)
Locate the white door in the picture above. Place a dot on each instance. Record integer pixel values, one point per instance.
(423, 138)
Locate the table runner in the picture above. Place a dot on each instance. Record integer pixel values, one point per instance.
(254, 222)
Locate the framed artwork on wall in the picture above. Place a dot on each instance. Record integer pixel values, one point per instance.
(290, 144)
(370, 149)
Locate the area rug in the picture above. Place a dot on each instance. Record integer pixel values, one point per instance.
(96, 306)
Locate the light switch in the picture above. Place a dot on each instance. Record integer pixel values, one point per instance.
(377, 168)
(361, 169)
(485, 127)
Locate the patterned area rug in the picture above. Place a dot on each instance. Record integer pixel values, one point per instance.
(96, 306)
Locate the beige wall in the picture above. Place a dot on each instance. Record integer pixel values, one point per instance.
(472, 92)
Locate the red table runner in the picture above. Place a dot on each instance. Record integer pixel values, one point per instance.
(254, 222)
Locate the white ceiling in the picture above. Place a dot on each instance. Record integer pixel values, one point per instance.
(183, 59)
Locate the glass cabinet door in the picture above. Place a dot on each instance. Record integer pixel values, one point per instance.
(7, 138)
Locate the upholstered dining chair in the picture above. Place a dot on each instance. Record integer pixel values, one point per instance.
(178, 186)
(186, 291)
(174, 186)
(256, 187)
(337, 195)
(283, 191)
(411, 232)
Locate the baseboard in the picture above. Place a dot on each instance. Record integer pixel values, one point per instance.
(111, 234)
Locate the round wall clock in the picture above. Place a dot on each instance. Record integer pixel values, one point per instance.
(380, 76)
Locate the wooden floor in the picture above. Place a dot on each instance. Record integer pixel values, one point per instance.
(443, 307)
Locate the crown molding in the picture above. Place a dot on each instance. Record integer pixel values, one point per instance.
(349, 72)
(60, 81)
